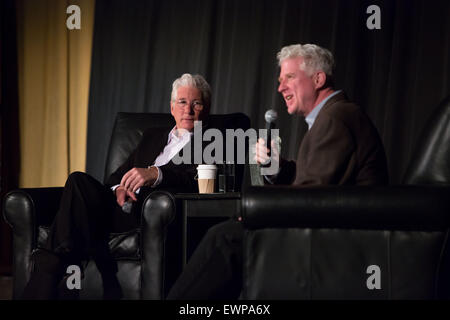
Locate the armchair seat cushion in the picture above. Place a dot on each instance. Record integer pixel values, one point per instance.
(123, 246)
(336, 264)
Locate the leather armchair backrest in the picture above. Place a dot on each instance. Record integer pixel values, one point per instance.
(430, 163)
(127, 133)
(346, 243)
(129, 127)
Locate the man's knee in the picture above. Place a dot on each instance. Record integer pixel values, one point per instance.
(78, 177)
(227, 231)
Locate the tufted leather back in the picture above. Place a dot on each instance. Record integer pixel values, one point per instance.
(129, 127)
(430, 163)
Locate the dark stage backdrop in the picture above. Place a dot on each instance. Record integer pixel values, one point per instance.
(9, 123)
(397, 74)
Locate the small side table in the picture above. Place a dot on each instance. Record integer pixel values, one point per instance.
(200, 211)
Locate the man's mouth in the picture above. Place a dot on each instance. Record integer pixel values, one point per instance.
(289, 97)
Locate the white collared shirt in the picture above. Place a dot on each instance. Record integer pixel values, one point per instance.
(311, 117)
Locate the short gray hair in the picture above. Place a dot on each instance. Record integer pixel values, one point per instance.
(194, 81)
(315, 58)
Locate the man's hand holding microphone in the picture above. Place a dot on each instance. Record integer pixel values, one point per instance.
(131, 182)
(268, 155)
(265, 156)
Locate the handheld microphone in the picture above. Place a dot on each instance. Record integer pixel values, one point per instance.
(127, 206)
(270, 116)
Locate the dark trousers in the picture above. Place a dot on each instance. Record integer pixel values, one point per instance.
(88, 212)
(215, 268)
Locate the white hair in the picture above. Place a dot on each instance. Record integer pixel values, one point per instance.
(315, 58)
(194, 81)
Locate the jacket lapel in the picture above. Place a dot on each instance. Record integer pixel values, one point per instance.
(159, 141)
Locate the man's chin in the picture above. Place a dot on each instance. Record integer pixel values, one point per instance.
(187, 125)
(290, 110)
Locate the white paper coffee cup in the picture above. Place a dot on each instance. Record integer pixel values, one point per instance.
(206, 175)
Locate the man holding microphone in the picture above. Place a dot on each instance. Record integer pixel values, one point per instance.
(341, 147)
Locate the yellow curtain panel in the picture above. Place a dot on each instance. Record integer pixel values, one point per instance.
(54, 61)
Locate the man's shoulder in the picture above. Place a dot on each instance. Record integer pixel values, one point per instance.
(154, 137)
(340, 108)
(154, 132)
(340, 105)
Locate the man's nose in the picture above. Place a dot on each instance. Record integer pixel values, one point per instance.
(189, 108)
(281, 87)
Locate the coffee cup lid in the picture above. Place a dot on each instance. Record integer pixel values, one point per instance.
(206, 166)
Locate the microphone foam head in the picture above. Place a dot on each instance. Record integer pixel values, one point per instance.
(270, 116)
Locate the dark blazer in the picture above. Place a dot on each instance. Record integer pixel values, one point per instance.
(178, 177)
(341, 148)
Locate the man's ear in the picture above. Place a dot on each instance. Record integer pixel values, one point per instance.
(171, 108)
(320, 78)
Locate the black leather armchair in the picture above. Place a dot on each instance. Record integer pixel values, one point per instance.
(355, 242)
(149, 258)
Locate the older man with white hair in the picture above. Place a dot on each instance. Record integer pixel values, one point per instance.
(341, 147)
(89, 210)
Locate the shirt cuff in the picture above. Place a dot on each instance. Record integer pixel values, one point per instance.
(159, 179)
(271, 179)
(113, 188)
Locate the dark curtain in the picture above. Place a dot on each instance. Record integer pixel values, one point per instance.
(9, 123)
(397, 74)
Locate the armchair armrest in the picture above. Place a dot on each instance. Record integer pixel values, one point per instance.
(393, 207)
(24, 210)
(23, 206)
(159, 240)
